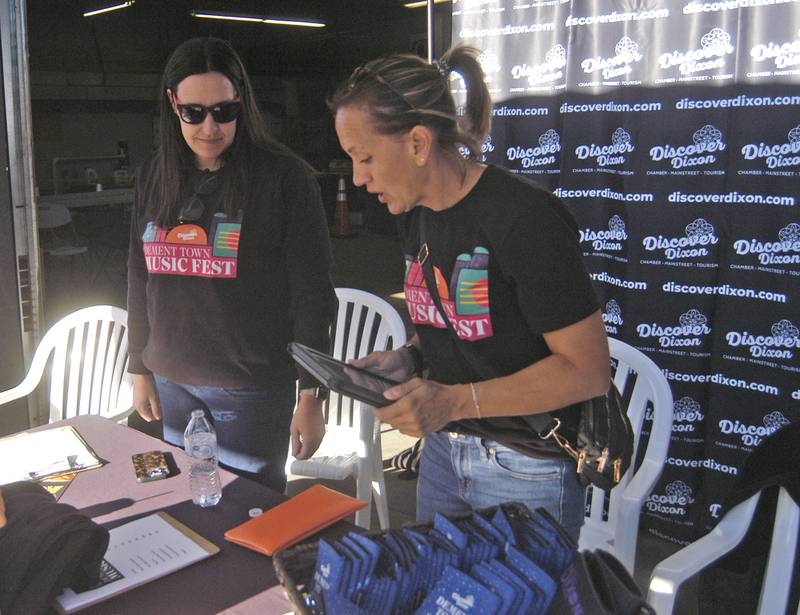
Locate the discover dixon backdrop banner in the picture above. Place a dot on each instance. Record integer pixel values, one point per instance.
(672, 130)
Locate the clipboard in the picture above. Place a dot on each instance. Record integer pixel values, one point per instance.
(139, 552)
(338, 376)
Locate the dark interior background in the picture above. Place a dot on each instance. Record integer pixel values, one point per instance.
(94, 80)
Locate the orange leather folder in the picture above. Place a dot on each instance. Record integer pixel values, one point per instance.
(299, 517)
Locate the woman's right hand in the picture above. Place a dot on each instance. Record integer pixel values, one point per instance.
(397, 365)
(145, 397)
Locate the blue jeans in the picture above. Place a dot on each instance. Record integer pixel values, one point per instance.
(252, 425)
(459, 473)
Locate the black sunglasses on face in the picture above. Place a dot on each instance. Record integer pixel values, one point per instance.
(194, 208)
(196, 114)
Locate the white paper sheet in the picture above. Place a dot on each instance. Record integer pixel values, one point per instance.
(138, 552)
(37, 454)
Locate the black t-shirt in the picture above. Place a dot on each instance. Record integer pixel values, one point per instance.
(508, 269)
(216, 301)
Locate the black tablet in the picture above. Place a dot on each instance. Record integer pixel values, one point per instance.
(346, 379)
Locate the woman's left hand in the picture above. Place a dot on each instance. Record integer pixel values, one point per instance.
(423, 406)
(308, 427)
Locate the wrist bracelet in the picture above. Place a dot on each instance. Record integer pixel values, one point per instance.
(475, 399)
(416, 357)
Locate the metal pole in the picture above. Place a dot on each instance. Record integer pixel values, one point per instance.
(430, 31)
(16, 85)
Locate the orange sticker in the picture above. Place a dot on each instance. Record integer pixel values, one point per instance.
(187, 233)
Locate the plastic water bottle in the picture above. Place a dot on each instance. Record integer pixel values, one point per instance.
(200, 441)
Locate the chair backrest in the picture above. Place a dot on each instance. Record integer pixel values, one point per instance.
(640, 381)
(364, 323)
(87, 375)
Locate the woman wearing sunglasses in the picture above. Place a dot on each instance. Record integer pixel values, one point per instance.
(500, 256)
(229, 262)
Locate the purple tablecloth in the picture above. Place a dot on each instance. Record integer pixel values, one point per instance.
(237, 579)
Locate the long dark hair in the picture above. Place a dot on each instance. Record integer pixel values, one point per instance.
(402, 91)
(163, 192)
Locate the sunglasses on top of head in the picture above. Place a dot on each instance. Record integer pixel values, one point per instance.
(222, 113)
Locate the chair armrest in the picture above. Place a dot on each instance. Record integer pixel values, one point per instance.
(668, 575)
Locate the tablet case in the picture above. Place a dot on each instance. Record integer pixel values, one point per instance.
(299, 517)
(309, 359)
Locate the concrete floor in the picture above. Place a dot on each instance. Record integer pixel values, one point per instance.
(370, 260)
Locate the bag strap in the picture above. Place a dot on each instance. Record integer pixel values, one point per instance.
(544, 423)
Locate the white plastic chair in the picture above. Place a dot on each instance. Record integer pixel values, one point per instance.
(89, 351)
(729, 532)
(619, 532)
(352, 443)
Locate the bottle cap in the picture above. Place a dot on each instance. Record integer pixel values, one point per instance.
(255, 512)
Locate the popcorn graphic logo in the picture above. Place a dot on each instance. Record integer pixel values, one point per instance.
(556, 55)
(785, 332)
(685, 412)
(679, 492)
(716, 38)
(794, 134)
(775, 421)
(707, 135)
(693, 318)
(628, 50)
(616, 225)
(621, 137)
(790, 234)
(700, 231)
(677, 496)
(550, 140)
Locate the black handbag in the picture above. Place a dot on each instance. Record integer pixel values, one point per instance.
(596, 583)
(604, 444)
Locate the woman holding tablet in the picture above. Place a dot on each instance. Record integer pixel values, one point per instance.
(525, 334)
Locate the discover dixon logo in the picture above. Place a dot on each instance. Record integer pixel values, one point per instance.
(784, 336)
(612, 317)
(692, 327)
(532, 157)
(751, 435)
(774, 156)
(706, 141)
(686, 411)
(675, 500)
(606, 240)
(626, 53)
(698, 235)
(544, 75)
(714, 46)
(608, 155)
(783, 55)
(785, 251)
